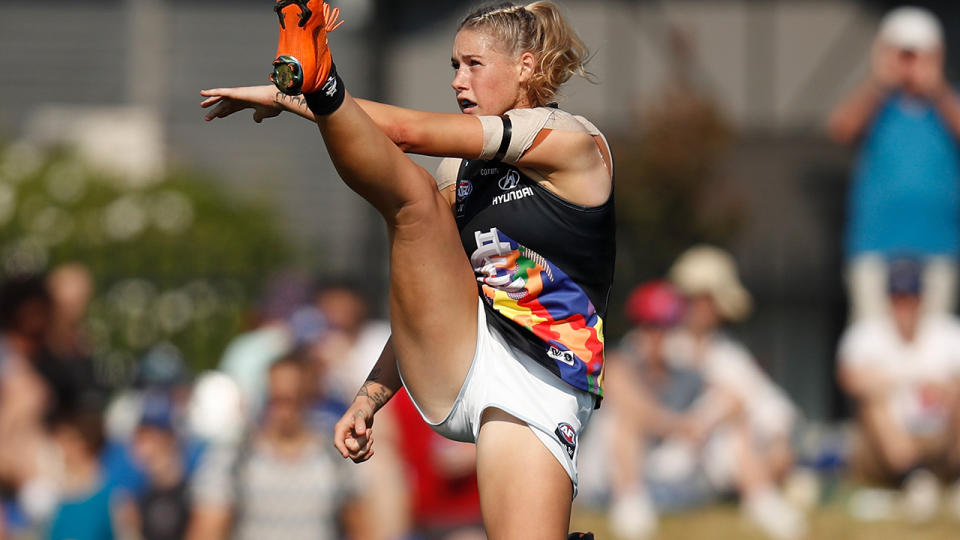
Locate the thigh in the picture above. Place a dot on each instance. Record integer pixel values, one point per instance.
(433, 301)
(525, 493)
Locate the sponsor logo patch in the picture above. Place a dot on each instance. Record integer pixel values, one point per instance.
(330, 87)
(566, 357)
(464, 189)
(568, 437)
(510, 181)
(513, 196)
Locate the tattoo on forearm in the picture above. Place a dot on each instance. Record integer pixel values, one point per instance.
(295, 100)
(376, 392)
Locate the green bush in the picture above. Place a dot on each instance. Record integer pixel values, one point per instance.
(175, 260)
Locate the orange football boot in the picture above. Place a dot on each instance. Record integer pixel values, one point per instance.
(303, 57)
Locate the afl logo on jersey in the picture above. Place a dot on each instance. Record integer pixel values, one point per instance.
(464, 189)
(510, 181)
(568, 437)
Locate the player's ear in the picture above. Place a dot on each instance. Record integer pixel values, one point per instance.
(528, 64)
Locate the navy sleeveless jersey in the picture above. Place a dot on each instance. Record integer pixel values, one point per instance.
(544, 267)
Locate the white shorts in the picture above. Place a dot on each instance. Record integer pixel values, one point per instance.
(504, 378)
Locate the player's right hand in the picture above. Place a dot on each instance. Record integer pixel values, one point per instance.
(230, 100)
(353, 433)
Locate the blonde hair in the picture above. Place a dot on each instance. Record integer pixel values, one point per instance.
(540, 29)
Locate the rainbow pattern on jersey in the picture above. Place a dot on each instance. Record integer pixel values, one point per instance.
(534, 293)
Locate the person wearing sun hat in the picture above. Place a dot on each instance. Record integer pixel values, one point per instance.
(711, 273)
(743, 422)
(904, 121)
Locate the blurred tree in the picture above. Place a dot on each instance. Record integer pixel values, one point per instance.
(176, 260)
(669, 192)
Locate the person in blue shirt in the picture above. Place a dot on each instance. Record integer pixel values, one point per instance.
(86, 507)
(905, 193)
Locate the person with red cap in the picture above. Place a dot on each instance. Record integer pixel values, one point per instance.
(647, 400)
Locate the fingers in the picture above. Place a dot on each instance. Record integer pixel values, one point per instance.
(340, 430)
(352, 438)
(224, 92)
(211, 101)
(224, 109)
(220, 111)
(359, 424)
(363, 451)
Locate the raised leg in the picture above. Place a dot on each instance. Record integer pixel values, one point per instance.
(433, 291)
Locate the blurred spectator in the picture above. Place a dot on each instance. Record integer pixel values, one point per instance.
(743, 423)
(216, 413)
(86, 510)
(160, 378)
(903, 373)
(441, 474)
(310, 337)
(27, 462)
(164, 507)
(284, 483)
(65, 359)
(25, 315)
(350, 349)
(646, 398)
(356, 341)
(248, 356)
(905, 195)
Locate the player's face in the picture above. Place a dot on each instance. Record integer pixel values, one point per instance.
(487, 81)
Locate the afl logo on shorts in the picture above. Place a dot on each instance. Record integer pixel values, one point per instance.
(464, 189)
(568, 437)
(510, 181)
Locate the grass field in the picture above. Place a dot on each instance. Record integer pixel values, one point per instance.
(725, 522)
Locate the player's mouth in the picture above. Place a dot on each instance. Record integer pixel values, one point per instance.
(467, 106)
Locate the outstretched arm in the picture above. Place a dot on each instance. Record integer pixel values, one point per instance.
(353, 433)
(568, 160)
(413, 131)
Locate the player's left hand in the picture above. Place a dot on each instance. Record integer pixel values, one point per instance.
(230, 100)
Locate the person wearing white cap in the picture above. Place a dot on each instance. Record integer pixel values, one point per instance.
(905, 194)
(743, 422)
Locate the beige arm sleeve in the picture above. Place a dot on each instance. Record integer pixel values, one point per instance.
(447, 172)
(524, 126)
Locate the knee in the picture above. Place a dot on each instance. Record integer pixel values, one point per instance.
(419, 211)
